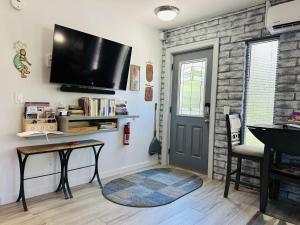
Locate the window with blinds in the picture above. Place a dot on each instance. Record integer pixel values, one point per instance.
(260, 86)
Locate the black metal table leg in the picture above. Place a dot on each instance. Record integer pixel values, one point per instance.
(59, 188)
(67, 156)
(22, 163)
(61, 171)
(63, 179)
(96, 172)
(265, 179)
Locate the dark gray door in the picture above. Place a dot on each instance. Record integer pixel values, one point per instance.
(191, 85)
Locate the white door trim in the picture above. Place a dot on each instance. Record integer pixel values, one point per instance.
(214, 43)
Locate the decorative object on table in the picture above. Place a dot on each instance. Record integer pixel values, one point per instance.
(150, 188)
(20, 59)
(39, 116)
(97, 106)
(149, 72)
(155, 146)
(148, 93)
(134, 78)
(262, 219)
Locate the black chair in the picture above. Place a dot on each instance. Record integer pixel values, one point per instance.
(240, 151)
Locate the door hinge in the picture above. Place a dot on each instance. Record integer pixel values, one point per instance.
(170, 109)
(169, 150)
(172, 67)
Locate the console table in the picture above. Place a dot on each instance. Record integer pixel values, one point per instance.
(64, 150)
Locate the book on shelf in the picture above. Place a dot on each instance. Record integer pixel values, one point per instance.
(121, 108)
(97, 106)
(76, 111)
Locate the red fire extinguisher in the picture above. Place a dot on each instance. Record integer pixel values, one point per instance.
(126, 134)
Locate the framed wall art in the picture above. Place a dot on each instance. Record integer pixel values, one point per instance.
(134, 77)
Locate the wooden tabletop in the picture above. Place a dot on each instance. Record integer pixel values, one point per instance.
(37, 149)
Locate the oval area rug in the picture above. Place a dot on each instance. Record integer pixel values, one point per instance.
(150, 188)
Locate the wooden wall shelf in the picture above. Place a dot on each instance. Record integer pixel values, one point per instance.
(86, 124)
(72, 118)
(64, 122)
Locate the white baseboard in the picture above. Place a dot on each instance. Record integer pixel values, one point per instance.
(48, 188)
(127, 169)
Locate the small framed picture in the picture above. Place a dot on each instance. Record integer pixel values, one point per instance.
(149, 72)
(148, 93)
(134, 78)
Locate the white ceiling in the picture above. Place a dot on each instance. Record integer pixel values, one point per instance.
(190, 10)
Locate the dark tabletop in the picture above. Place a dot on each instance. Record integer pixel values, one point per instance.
(282, 138)
(273, 127)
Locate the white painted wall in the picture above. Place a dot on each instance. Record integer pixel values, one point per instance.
(34, 26)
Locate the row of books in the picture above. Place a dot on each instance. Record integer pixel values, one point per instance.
(97, 106)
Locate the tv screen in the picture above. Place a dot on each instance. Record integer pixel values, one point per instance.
(82, 59)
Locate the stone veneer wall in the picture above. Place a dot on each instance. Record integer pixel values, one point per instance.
(233, 30)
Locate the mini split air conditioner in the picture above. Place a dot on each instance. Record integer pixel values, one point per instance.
(283, 17)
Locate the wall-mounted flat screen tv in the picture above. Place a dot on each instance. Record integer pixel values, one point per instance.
(86, 60)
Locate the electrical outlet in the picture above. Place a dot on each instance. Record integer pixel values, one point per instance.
(19, 98)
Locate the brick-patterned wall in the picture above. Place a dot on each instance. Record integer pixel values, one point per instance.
(233, 30)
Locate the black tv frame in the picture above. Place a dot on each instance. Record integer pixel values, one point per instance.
(86, 89)
(83, 89)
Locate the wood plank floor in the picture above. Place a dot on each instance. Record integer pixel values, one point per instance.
(203, 206)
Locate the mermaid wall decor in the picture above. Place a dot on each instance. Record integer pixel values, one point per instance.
(20, 59)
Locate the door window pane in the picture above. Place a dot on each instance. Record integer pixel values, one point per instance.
(261, 81)
(191, 93)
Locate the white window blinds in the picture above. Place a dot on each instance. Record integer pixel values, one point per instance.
(260, 85)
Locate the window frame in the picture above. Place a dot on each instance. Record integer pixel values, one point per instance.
(247, 78)
(179, 82)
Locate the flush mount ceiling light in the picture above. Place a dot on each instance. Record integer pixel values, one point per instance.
(166, 12)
